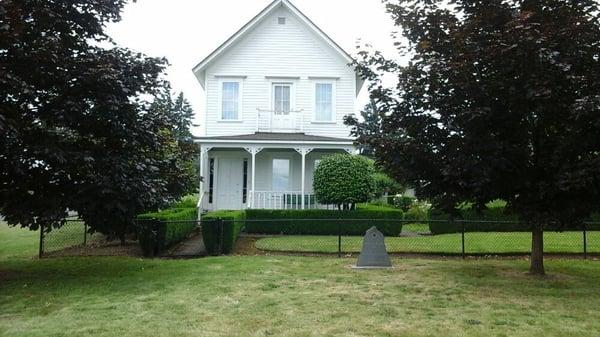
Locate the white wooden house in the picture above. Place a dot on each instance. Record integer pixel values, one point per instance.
(276, 95)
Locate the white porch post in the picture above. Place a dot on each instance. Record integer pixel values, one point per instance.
(203, 169)
(201, 191)
(303, 152)
(253, 151)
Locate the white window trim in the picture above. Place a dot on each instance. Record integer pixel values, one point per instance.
(290, 169)
(314, 101)
(240, 81)
(292, 85)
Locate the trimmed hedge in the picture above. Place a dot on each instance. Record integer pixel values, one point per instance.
(161, 230)
(219, 240)
(294, 221)
(489, 216)
(438, 226)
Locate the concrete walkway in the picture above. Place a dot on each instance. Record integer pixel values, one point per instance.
(192, 247)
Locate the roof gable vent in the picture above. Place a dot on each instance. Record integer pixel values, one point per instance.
(281, 20)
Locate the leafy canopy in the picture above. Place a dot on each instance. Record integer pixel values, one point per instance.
(344, 180)
(76, 133)
(500, 100)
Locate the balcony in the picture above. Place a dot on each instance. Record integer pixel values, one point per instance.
(279, 121)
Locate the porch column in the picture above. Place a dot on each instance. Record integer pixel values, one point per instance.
(203, 160)
(201, 190)
(253, 151)
(303, 152)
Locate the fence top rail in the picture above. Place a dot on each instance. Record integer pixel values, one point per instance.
(456, 221)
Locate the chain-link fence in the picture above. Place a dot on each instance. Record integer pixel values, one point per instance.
(73, 234)
(467, 237)
(345, 236)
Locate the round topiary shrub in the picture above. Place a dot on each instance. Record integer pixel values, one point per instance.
(344, 180)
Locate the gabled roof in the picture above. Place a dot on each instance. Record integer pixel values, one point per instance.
(200, 68)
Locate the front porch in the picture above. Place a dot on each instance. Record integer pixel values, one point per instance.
(263, 170)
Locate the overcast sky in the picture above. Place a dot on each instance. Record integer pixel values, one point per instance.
(186, 31)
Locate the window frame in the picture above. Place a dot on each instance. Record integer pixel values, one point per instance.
(291, 85)
(240, 83)
(333, 102)
(289, 184)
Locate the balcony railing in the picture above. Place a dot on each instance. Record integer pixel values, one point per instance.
(272, 121)
(284, 200)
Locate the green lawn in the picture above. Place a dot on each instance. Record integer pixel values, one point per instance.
(289, 296)
(493, 242)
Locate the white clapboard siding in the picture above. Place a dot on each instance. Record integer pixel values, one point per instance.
(289, 50)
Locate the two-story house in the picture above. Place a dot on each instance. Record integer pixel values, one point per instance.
(277, 92)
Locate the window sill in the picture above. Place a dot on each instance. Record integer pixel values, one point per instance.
(230, 121)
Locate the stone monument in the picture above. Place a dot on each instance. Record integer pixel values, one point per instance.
(373, 253)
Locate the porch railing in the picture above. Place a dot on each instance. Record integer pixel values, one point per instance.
(284, 200)
(266, 121)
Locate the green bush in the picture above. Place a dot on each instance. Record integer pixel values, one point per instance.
(384, 183)
(343, 179)
(493, 220)
(404, 202)
(220, 237)
(418, 211)
(300, 222)
(190, 201)
(160, 230)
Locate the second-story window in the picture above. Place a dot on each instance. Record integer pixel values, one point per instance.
(230, 101)
(324, 102)
(282, 98)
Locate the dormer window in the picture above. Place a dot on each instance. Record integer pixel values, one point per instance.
(281, 20)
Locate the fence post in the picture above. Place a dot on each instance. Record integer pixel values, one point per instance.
(339, 240)
(584, 242)
(85, 233)
(41, 249)
(463, 239)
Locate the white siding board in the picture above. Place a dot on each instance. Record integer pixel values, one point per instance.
(286, 50)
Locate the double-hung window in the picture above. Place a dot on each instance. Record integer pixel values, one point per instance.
(230, 100)
(324, 102)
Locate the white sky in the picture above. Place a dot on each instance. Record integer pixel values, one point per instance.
(186, 31)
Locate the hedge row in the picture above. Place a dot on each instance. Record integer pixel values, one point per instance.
(326, 222)
(220, 230)
(488, 220)
(160, 230)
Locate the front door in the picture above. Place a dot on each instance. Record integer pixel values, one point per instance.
(229, 183)
(282, 103)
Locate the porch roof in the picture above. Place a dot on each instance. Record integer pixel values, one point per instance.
(275, 137)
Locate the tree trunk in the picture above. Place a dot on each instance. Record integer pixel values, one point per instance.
(537, 250)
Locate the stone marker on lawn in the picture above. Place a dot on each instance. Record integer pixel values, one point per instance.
(373, 253)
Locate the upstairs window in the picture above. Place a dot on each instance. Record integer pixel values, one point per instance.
(324, 102)
(230, 101)
(282, 98)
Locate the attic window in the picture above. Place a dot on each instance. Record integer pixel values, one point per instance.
(281, 20)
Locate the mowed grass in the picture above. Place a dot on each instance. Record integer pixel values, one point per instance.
(477, 243)
(289, 296)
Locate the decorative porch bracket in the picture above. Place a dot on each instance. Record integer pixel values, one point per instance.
(303, 151)
(253, 151)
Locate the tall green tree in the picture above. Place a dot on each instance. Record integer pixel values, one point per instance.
(76, 133)
(500, 100)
